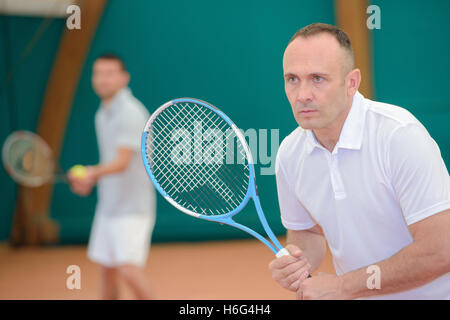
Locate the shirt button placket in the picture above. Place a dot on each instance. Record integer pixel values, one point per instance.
(336, 180)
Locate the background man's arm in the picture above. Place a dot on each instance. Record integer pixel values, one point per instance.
(83, 186)
(119, 164)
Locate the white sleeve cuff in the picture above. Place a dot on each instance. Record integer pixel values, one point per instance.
(439, 207)
(297, 226)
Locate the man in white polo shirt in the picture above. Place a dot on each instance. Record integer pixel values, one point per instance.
(364, 176)
(125, 212)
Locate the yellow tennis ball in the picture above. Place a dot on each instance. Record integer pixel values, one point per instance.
(78, 171)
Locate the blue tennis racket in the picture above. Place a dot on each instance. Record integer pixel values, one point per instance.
(200, 162)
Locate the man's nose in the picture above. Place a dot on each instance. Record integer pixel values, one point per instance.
(304, 93)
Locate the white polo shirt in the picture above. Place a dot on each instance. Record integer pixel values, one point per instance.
(384, 174)
(120, 125)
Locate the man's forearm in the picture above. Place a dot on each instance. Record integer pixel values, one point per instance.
(411, 267)
(119, 164)
(311, 243)
(108, 168)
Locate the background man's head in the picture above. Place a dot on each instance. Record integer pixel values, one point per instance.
(320, 78)
(109, 75)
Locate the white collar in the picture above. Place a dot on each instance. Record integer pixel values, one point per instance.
(352, 132)
(115, 101)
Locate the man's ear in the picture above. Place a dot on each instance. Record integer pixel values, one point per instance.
(126, 78)
(353, 81)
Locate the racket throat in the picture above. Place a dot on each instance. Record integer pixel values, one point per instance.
(265, 224)
(233, 223)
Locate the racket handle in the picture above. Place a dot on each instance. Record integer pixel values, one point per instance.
(282, 252)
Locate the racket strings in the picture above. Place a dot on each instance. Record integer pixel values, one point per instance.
(28, 159)
(216, 183)
(184, 195)
(197, 179)
(185, 124)
(206, 176)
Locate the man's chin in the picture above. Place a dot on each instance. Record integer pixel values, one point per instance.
(104, 95)
(307, 125)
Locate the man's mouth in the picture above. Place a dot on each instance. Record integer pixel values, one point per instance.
(306, 111)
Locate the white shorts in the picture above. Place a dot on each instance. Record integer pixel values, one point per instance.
(119, 240)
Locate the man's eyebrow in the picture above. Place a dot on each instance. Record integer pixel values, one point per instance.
(290, 74)
(322, 74)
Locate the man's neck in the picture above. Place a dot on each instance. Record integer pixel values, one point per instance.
(328, 141)
(106, 101)
(328, 137)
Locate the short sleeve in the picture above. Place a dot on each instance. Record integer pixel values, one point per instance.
(132, 123)
(419, 176)
(293, 215)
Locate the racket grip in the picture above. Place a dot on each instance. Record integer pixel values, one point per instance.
(282, 252)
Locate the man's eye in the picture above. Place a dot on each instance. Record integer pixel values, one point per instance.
(292, 79)
(317, 79)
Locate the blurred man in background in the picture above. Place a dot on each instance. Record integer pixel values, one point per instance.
(125, 212)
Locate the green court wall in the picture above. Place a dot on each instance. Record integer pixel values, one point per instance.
(227, 53)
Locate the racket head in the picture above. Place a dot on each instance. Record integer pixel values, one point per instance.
(212, 187)
(28, 159)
